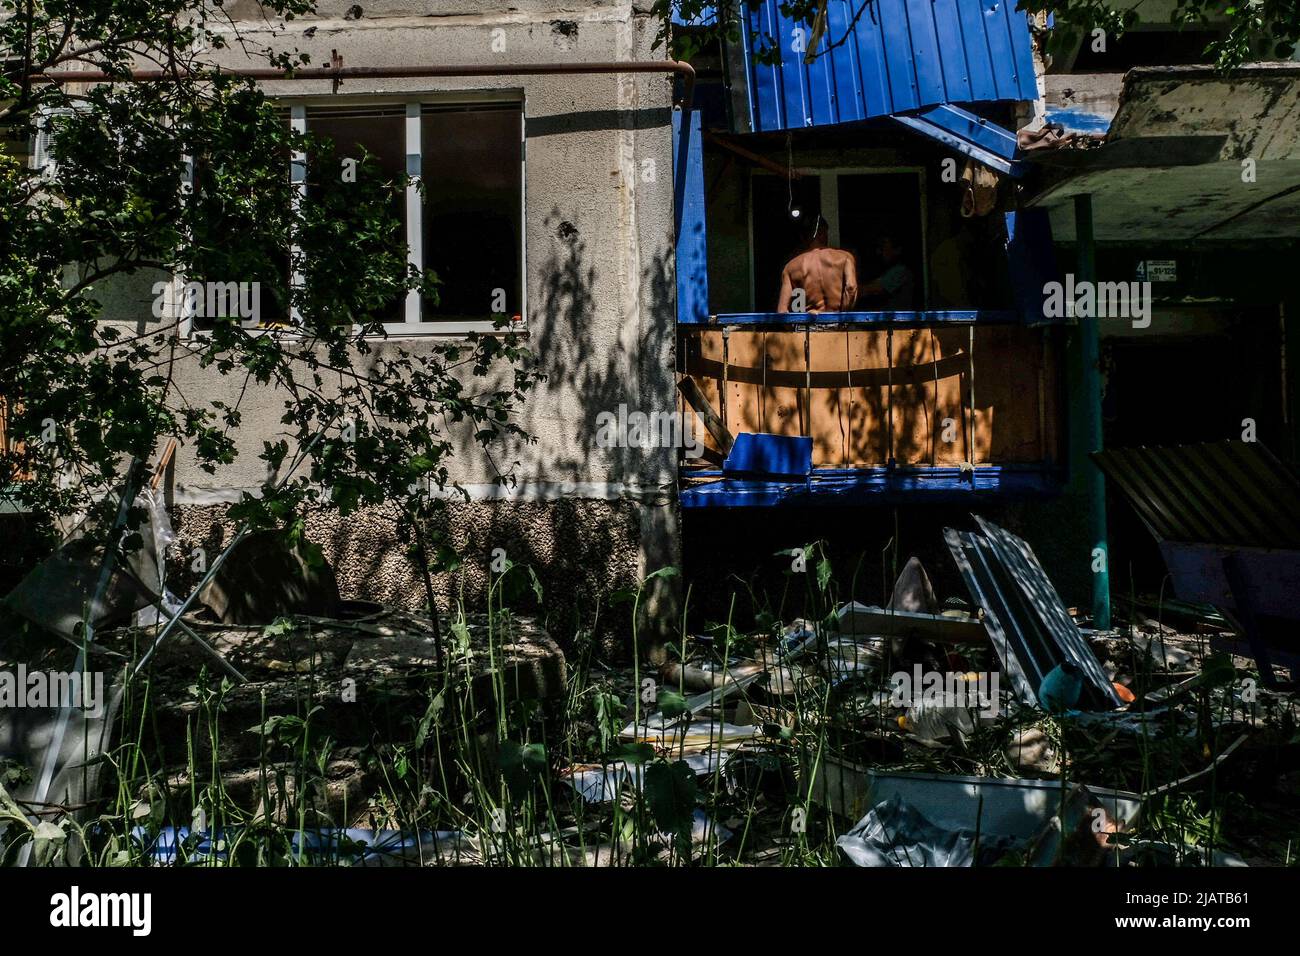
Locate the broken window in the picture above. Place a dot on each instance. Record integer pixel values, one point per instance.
(467, 229)
(259, 294)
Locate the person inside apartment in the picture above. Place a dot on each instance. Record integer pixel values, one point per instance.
(821, 279)
(893, 289)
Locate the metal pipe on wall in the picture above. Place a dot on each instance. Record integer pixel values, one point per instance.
(339, 73)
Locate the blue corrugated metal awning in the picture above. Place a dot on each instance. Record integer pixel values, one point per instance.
(967, 133)
(898, 56)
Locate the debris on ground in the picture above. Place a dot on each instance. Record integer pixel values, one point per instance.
(992, 727)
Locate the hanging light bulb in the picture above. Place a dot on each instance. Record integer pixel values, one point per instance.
(795, 211)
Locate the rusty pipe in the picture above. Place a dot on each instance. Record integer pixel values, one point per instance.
(340, 73)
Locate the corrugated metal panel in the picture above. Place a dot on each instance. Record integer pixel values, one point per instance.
(967, 133)
(868, 487)
(899, 56)
(1227, 493)
(1031, 630)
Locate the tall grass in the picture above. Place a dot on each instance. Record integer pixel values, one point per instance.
(479, 777)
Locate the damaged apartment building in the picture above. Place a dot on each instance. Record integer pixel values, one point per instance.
(1094, 250)
(638, 214)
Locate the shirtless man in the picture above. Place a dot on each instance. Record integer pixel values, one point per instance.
(828, 277)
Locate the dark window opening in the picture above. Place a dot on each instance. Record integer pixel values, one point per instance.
(880, 223)
(471, 170)
(1145, 48)
(785, 214)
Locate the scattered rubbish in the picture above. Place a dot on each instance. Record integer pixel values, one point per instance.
(681, 738)
(602, 783)
(58, 593)
(699, 679)
(653, 725)
(162, 538)
(895, 833)
(1224, 754)
(949, 628)
(1170, 692)
(1080, 833)
(841, 711)
(357, 846)
(1161, 653)
(74, 758)
(797, 638)
(1061, 688)
(997, 807)
(1030, 749)
(1151, 853)
(913, 591)
(938, 723)
(848, 658)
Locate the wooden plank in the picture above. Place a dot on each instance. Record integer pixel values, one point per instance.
(712, 422)
(859, 619)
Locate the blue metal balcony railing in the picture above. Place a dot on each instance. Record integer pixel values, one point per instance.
(840, 321)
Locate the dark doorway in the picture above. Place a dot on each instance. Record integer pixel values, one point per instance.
(879, 206)
(779, 234)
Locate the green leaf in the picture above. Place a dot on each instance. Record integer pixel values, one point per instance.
(671, 703)
(1217, 670)
(47, 841)
(534, 758)
(521, 765)
(430, 719)
(622, 596)
(823, 573)
(670, 791)
(637, 753)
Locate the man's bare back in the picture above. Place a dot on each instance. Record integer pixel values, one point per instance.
(828, 278)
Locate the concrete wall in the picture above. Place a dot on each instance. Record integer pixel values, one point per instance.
(599, 287)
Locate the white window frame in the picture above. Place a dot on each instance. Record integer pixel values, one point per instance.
(414, 104)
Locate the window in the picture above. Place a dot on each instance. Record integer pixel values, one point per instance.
(1146, 45)
(379, 132)
(467, 229)
(470, 161)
